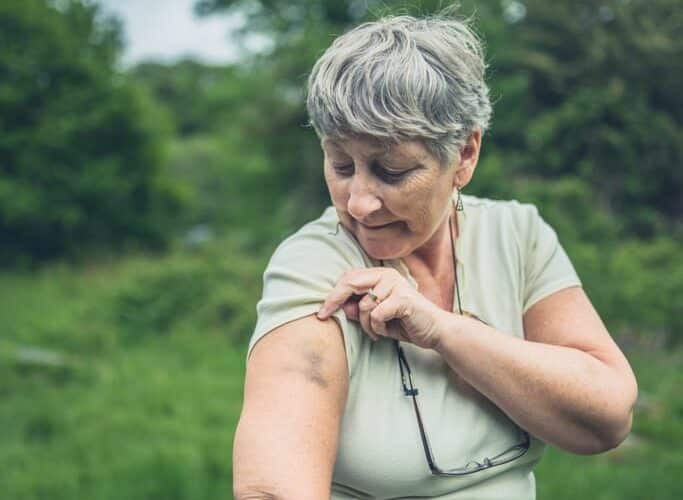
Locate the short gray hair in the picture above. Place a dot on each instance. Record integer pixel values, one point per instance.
(402, 78)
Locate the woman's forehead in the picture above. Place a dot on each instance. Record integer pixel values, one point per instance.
(367, 143)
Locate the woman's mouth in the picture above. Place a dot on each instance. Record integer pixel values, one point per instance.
(375, 227)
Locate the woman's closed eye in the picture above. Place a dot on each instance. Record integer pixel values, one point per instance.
(343, 170)
(387, 175)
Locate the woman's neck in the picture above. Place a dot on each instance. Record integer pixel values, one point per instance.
(435, 258)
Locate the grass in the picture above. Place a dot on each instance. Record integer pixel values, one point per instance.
(155, 421)
(124, 380)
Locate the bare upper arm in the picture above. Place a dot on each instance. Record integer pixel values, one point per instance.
(295, 391)
(567, 318)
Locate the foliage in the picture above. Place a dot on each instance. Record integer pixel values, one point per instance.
(223, 152)
(211, 289)
(231, 188)
(199, 98)
(600, 103)
(81, 148)
(124, 378)
(206, 293)
(649, 279)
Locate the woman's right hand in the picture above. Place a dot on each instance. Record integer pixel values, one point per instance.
(386, 305)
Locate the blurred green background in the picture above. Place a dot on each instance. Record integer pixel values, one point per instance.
(139, 206)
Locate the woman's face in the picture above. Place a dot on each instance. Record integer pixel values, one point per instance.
(391, 199)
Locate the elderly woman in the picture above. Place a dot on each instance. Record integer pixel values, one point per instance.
(414, 341)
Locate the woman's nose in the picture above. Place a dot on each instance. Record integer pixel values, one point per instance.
(363, 201)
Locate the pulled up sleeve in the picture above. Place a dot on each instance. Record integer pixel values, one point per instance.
(301, 273)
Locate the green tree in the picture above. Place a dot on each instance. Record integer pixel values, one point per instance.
(199, 97)
(231, 186)
(591, 90)
(80, 147)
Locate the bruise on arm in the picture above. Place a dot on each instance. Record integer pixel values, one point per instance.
(309, 363)
(314, 371)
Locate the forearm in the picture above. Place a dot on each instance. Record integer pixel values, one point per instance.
(562, 395)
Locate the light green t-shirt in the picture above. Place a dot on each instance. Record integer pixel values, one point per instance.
(508, 259)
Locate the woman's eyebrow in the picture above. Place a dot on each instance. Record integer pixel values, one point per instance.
(409, 159)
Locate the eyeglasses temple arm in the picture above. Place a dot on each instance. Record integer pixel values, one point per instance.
(413, 392)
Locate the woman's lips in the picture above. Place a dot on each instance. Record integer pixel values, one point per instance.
(376, 227)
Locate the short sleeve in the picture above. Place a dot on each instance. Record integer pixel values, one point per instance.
(301, 273)
(547, 268)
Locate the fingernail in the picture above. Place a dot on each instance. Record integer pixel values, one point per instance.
(322, 313)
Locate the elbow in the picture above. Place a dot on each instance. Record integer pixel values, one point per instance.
(616, 435)
(608, 424)
(616, 430)
(273, 493)
(245, 489)
(599, 440)
(270, 492)
(621, 423)
(613, 429)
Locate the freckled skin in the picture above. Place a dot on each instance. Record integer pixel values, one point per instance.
(418, 204)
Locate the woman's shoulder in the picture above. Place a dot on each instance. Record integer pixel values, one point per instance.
(320, 242)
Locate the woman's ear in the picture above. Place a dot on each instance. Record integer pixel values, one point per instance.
(467, 160)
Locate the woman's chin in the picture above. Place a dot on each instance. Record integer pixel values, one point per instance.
(381, 243)
(380, 251)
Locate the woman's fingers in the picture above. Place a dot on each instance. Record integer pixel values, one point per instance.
(385, 305)
(385, 318)
(357, 282)
(378, 325)
(362, 292)
(380, 292)
(365, 306)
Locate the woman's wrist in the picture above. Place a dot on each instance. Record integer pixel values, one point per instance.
(450, 324)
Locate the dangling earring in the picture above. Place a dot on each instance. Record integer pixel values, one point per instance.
(458, 205)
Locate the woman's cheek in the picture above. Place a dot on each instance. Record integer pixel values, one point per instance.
(332, 185)
(336, 192)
